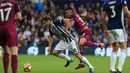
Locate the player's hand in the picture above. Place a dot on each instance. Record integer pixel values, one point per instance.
(49, 49)
(67, 32)
(84, 14)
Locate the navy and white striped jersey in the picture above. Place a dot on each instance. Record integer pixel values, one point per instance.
(58, 29)
(115, 13)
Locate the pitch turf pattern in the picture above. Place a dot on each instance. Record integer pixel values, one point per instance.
(51, 64)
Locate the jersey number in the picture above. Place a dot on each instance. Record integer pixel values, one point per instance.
(5, 17)
(81, 21)
(113, 11)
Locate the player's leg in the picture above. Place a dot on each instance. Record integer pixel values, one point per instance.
(85, 60)
(85, 37)
(113, 57)
(6, 58)
(122, 56)
(60, 54)
(58, 51)
(81, 65)
(84, 41)
(3, 43)
(74, 47)
(118, 35)
(11, 38)
(123, 46)
(14, 59)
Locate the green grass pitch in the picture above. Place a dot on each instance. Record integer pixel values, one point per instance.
(51, 64)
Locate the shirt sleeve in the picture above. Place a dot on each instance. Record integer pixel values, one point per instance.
(58, 22)
(124, 3)
(17, 8)
(51, 34)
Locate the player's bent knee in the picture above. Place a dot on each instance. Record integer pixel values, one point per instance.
(6, 50)
(7, 53)
(14, 53)
(114, 44)
(14, 49)
(80, 44)
(78, 55)
(54, 53)
(123, 45)
(115, 47)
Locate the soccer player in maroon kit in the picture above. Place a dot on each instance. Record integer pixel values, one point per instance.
(83, 30)
(9, 12)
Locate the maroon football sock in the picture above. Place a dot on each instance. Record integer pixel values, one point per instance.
(14, 63)
(89, 43)
(6, 62)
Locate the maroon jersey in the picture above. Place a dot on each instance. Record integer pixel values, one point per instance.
(8, 8)
(79, 23)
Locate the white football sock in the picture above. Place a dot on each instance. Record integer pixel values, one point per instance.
(113, 61)
(85, 60)
(122, 57)
(62, 55)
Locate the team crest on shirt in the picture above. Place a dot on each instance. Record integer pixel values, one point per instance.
(125, 2)
(18, 6)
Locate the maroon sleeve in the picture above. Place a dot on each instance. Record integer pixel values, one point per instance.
(17, 8)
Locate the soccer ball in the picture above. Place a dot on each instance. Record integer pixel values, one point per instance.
(27, 67)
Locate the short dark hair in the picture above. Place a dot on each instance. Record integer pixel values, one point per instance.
(69, 8)
(46, 18)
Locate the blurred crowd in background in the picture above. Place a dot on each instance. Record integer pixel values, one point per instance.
(32, 31)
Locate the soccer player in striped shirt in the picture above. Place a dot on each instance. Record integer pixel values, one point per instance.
(67, 41)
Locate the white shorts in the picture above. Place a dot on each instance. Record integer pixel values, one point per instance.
(72, 46)
(117, 35)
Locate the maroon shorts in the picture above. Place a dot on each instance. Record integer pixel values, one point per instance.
(8, 36)
(86, 34)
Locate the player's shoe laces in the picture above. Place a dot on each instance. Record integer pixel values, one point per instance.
(118, 71)
(80, 66)
(113, 71)
(91, 70)
(68, 62)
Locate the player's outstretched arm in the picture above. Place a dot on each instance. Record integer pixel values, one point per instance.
(50, 41)
(67, 24)
(103, 20)
(126, 11)
(18, 16)
(104, 23)
(84, 14)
